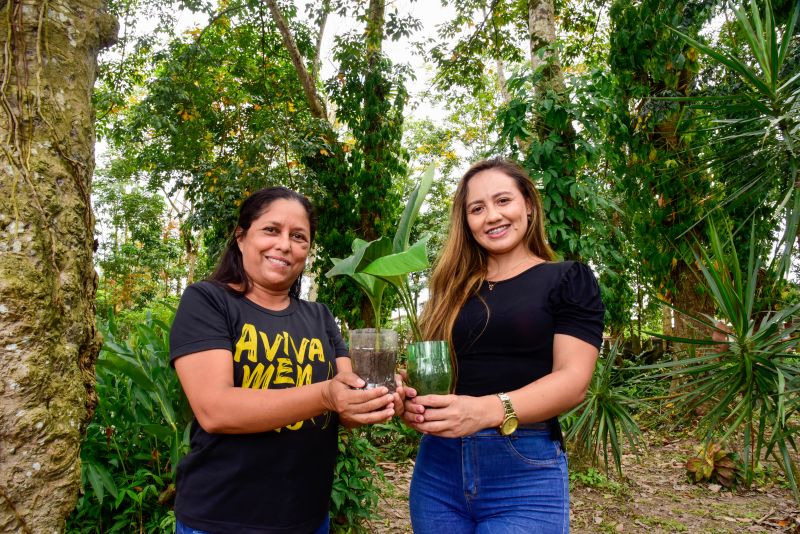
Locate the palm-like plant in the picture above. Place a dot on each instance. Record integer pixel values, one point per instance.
(756, 142)
(604, 414)
(376, 264)
(749, 383)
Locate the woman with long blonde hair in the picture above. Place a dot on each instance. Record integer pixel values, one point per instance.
(525, 332)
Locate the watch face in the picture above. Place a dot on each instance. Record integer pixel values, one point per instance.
(509, 426)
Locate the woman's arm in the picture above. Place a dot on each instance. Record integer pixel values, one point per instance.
(551, 395)
(221, 408)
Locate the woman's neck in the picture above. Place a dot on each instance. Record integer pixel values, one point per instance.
(270, 299)
(501, 267)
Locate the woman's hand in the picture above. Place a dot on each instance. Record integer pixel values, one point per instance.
(399, 396)
(452, 416)
(357, 406)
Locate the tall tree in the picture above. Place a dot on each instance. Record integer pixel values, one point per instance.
(48, 342)
(536, 116)
(652, 149)
(355, 178)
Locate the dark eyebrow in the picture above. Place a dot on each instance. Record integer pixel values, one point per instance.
(280, 225)
(498, 194)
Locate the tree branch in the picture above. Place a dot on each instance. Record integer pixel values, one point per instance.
(316, 65)
(309, 88)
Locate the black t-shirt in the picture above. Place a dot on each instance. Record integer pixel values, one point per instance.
(267, 482)
(515, 346)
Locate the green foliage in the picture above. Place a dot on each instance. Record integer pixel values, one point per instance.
(712, 463)
(211, 126)
(354, 177)
(377, 263)
(140, 255)
(355, 483)
(559, 161)
(592, 478)
(750, 382)
(358, 476)
(396, 441)
(756, 126)
(653, 143)
(138, 435)
(605, 413)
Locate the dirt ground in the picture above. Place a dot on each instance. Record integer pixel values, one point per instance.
(654, 498)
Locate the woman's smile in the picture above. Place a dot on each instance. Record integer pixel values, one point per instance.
(275, 247)
(497, 213)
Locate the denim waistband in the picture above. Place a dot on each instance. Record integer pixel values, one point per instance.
(543, 425)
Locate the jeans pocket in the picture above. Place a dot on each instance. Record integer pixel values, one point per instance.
(534, 450)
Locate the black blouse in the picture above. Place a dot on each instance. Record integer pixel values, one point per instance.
(514, 346)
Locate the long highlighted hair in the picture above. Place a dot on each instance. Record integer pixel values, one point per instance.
(460, 269)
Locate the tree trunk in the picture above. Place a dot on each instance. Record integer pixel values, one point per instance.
(686, 297)
(323, 20)
(354, 184)
(542, 28)
(48, 341)
(377, 88)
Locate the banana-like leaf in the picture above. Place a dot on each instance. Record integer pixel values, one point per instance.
(412, 209)
(411, 260)
(383, 261)
(364, 253)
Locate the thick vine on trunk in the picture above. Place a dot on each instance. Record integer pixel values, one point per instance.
(542, 35)
(48, 341)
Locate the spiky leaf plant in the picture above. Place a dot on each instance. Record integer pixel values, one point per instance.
(757, 128)
(605, 415)
(750, 383)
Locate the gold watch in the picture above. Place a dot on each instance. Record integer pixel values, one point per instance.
(510, 421)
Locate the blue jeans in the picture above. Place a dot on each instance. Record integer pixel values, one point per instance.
(486, 483)
(181, 528)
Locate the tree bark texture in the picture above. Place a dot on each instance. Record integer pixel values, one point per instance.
(48, 341)
(690, 296)
(542, 28)
(323, 20)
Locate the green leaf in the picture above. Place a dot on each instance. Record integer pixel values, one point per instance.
(126, 366)
(413, 206)
(788, 33)
(731, 62)
(100, 480)
(363, 254)
(412, 260)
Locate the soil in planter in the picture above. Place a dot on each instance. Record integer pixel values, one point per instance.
(375, 367)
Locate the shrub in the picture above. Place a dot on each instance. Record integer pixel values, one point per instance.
(138, 434)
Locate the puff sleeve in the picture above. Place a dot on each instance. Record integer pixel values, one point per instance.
(576, 305)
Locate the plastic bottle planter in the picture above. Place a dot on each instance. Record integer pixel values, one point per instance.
(373, 354)
(429, 369)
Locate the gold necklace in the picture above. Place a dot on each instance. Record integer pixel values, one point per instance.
(492, 284)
